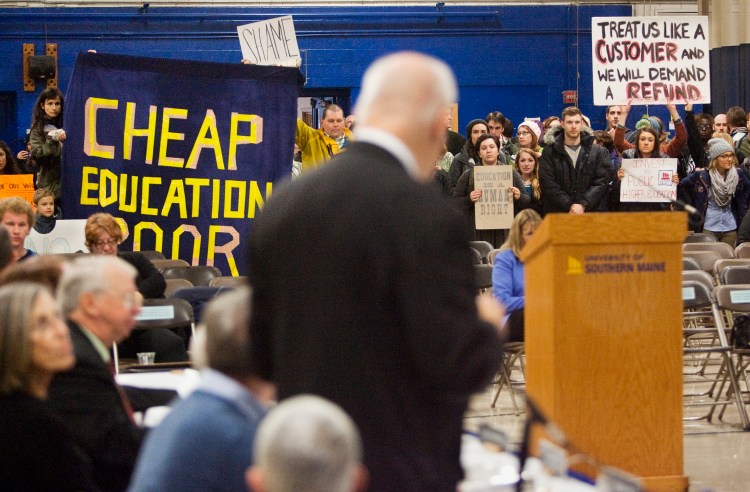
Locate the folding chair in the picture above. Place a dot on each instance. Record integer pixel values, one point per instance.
(722, 264)
(170, 313)
(483, 277)
(199, 275)
(483, 247)
(162, 264)
(238, 281)
(699, 237)
(690, 264)
(742, 251)
(723, 249)
(476, 257)
(705, 259)
(492, 255)
(153, 255)
(732, 275)
(702, 314)
(513, 354)
(175, 284)
(699, 276)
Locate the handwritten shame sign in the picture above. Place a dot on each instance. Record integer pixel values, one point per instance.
(650, 60)
(270, 42)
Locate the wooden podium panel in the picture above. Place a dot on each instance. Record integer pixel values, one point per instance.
(603, 337)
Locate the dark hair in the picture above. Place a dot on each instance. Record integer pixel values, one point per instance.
(736, 117)
(704, 116)
(508, 128)
(469, 146)
(481, 139)
(497, 117)
(605, 139)
(11, 166)
(39, 117)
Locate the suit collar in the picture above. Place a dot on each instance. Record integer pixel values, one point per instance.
(391, 144)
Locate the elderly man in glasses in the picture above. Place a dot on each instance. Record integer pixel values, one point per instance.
(103, 235)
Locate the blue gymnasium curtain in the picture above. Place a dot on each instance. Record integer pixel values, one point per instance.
(184, 152)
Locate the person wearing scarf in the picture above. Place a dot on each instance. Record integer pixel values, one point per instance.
(720, 193)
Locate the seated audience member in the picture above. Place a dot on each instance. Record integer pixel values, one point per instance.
(8, 164)
(103, 235)
(508, 272)
(40, 269)
(47, 213)
(720, 194)
(98, 295)
(18, 218)
(466, 195)
(205, 441)
(38, 451)
(307, 444)
(6, 249)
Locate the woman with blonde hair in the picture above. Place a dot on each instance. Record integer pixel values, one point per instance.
(39, 452)
(508, 272)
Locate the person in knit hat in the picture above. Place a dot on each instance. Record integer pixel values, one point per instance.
(528, 138)
(673, 148)
(720, 193)
(468, 157)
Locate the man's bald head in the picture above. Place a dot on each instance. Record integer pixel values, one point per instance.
(408, 94)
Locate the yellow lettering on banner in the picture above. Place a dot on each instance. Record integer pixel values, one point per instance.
(149, 226)
(175, 195)
(90, 145)
(131, 131)
(87, 187)
(167, 115)
(241, 188)
(204, 142)
(131, 205)
(226, 249)
(196, 184)
(147, 182)
(255, 137)
(215, 195)
(196, 241)
(107, 182)
(256, 199)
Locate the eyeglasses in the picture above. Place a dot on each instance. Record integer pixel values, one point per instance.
(523, 134)
(726, 155)
(108, 242)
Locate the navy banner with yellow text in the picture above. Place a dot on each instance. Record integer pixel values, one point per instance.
(186, 153)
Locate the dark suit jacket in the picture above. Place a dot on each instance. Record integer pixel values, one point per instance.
(88, 401)
(363, 294)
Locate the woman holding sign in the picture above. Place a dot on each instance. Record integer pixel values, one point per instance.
(646, 141)
(673, 148)
(487, 148)
(720, 193)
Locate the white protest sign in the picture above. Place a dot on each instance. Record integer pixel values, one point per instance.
(648, 180)
(68, 236)
(650, 60)
(270, 42)
(494, 210)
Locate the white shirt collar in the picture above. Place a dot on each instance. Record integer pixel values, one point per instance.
(391, 144)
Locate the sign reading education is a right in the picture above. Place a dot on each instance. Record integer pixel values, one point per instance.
(650, 60)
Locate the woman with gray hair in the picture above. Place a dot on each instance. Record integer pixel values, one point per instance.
(38, 452)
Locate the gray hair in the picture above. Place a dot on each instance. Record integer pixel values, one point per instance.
(88, 274)
(407, 84)
(308, 443)
(222, 338)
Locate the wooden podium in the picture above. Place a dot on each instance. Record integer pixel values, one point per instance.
(604, 338)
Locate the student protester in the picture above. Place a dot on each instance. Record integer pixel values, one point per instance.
(646, 148)
(488, 150)
(18, 218)
(46, 139)
(720, 194)
(38, 451)
(8, 164)
(527, 163)
(47, 214)
(673, 148)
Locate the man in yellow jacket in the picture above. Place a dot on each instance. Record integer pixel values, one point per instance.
(318, 146)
